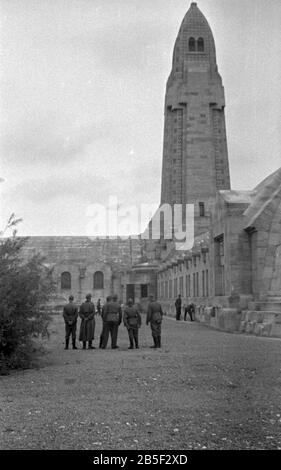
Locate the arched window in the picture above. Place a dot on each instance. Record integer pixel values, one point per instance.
(65, 280)
(191, 44)
(98, 280)
(200, 45)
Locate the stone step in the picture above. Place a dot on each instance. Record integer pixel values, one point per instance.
(266, 306)
(274, 299)
(261, 329)
(261, 316)
(274, 296)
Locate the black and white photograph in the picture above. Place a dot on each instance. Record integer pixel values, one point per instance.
(140, 228)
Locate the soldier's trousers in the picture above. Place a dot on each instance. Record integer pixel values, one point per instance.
(178, 313)
(70, 330)
(155, 329)
(112, 328)
(190, 314)
(133, 336)
(156, 334)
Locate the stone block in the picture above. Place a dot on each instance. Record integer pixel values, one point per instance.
(242, 326)
(276, 330)
(243, 315)
(250, 327)
(258, 329)
(266, 331)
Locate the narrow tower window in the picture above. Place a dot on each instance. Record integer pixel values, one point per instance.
(200, 45)
(201, 209)
(191, 44)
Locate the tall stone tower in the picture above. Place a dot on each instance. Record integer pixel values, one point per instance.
(195, 158)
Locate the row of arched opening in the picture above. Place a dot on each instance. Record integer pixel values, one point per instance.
(98, 280)
(196, 45)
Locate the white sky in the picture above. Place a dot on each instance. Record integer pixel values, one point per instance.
(82, 99)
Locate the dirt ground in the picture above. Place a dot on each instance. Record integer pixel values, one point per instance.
(204, 389)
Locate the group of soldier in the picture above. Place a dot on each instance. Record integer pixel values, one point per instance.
(188, 309)
(112, 314)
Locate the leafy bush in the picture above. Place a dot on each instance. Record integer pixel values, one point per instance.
(25, 286)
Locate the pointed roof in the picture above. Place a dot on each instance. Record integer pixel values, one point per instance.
(194, 25)
(194, 15)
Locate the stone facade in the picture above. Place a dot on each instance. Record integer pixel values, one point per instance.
(83, 265)
(233, 271)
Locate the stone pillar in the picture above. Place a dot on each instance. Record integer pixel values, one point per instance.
(82, 271)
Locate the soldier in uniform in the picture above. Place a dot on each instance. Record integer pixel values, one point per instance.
(112, 317)
(87, 326)
(70, 315)
(178, 307)
(154, 317)
(190, 309)
(132, 321)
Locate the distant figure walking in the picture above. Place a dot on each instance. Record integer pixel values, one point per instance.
(108, 299)
(190, 310)
(87, 326)
(178, 307)
(132, 321)
(99, 308)
(70, 315)
(112, 317)
(154, 317)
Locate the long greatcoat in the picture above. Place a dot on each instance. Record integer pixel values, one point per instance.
(87, 327)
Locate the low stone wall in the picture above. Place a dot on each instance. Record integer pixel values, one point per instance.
(226, 319)
(233, 320)
(221, 318)
(261, 323)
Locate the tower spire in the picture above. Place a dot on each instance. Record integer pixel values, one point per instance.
(195, 159)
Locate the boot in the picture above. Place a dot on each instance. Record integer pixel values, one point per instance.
(159, 341)
(74, 344)
(84, 344)
(155, 343)
(66, 343)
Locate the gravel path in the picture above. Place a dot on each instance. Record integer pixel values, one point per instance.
(204, 389)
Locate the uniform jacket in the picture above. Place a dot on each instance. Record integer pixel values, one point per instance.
(178, 303)
(154, 313)
(190, 308)
(112, 312)
(70, 313)
(131, 318)
(103, 311)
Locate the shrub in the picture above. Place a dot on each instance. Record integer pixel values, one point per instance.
(25, 286)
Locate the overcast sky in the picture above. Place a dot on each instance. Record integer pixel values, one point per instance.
(82, 99)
